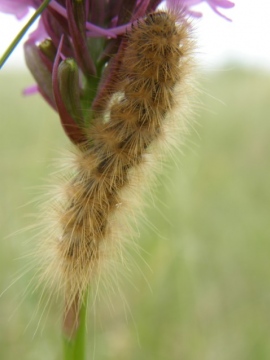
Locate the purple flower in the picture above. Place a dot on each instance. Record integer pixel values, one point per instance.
(75, 41)
(214, 4)
(19, 8)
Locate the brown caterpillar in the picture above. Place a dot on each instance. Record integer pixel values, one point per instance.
(152, 87)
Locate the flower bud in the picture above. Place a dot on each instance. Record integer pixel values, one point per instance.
(48, 49)
(40, 72)
(68, 79)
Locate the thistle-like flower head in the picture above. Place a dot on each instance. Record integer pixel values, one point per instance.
(75, 53)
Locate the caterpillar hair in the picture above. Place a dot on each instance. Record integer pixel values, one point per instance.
(150, 99)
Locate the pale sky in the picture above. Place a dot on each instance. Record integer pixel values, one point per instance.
(245, 40)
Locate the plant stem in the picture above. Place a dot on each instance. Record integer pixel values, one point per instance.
(79, 343)
(74, 349)
(22, 32)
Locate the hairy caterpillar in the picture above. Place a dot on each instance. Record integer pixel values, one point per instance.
(151, 88)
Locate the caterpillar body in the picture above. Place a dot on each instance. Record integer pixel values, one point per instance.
(150, 96)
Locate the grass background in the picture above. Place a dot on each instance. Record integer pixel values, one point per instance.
(208, 245)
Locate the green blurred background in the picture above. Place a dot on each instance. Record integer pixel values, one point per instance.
(207, 295)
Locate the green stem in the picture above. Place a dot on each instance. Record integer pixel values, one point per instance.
(22, 32)
(74, 349)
